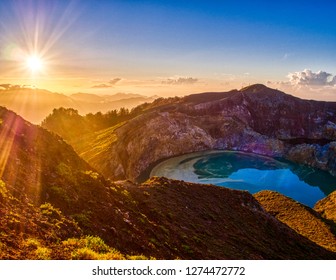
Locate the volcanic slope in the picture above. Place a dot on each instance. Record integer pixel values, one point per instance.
(255, 119)
(58, 206)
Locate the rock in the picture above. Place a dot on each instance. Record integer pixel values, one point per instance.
(322, 157)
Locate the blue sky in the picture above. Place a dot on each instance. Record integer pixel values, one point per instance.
(155, 46)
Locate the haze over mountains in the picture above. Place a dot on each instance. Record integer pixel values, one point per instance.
(62, 202)
(35, 104)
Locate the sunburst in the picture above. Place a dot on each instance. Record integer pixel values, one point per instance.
(35, 64)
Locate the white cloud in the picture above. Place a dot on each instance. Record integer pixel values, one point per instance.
(333, 82)
(308, 77)
(307, 84)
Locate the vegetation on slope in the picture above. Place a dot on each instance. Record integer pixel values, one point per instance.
(31, 232)
(175, 219)
(70, 125)
(299, 217)
(67, 122)
(27, 230)
(327, 207)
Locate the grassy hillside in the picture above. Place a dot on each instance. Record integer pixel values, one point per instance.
(301, 218)
(327, 207)
(28, 231)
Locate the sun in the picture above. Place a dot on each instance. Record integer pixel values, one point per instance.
(34, 63)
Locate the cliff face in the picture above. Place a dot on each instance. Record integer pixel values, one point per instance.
(322, 157)
(255, 119)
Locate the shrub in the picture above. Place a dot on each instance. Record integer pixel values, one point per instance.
(137, 257)
(83, 219)
(48, 210)
(65, 171)
(60, 193)
(42, 253)
(92, 174)
(84, 254)
(112, 255)
(32, 243)
(3, 190)
(96, 244)
(90, 248)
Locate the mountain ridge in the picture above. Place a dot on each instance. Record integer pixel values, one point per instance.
(161, 218)
(35, 104)
(255, 119)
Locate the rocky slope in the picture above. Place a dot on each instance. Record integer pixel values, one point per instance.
(51, 200)
(255, 119)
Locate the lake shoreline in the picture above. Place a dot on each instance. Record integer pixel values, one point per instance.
(247, 171)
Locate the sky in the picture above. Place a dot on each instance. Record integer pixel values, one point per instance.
(169, 48)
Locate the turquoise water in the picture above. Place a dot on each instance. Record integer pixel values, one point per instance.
(250, 172)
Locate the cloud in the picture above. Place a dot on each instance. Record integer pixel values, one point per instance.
(286, 56)
(310, 78)
(108, 84)
(6, 86)
(333, 81)
(180, 81)
(15, 87)
(102, 86)
(307, 84)
(114, 81)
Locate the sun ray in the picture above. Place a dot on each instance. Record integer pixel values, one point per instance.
(6, 141)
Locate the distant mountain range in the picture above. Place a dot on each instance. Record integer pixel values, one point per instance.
(55, 205)
(35, 104)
